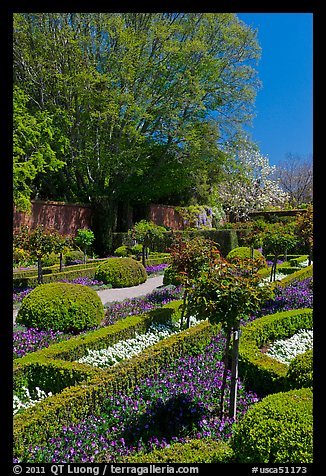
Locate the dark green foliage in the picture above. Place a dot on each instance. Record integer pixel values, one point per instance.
(195, 451)
(300, 372)
(61, 306)
(279, 429)
(121, 272)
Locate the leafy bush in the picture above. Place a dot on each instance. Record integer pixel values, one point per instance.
(61, 306)
(194, 451)
(300, 373)
(121, 272)
(122, 251)
(73, 256)
(171, 276)
(279, 429)
(137, 249)
(50, 259)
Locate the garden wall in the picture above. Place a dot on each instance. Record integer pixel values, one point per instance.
(67, 218)
(165, 215)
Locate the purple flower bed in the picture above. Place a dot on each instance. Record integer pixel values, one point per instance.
(297, 295)
(30, 340)
(156, 268)
(179, 403)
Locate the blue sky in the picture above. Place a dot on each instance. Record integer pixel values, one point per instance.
(284, 106)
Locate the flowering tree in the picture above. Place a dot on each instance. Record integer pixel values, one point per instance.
(249, 185)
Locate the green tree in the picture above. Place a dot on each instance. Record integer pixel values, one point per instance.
(33, 154)
(39, 242)
(133, 95)
(278, 239)
(84, 238)
(144, 232)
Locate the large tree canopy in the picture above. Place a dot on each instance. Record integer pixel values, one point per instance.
(144, 101)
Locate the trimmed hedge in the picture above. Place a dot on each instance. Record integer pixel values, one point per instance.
(279, 429)
(80, 271)
(262, 373)
(61, 307)
(121, 272)
(36, 424)
(204, 450)
(300, 275)
(300, 372)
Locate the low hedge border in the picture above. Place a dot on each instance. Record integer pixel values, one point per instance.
(205, 450)
(258, 371)
(36, 424)
(300, 275)
(32, 281)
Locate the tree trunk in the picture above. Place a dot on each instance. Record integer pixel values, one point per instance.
(39, 271)
(85, 255)
(104, 223)
(143, 255)
(225, 371)
(61, 263)
(185, 294)
(234, 371)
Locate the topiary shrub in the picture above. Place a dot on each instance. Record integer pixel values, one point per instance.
(62, 307)
(121, 272)
(245, 252)
(278, 429)
(300, 372)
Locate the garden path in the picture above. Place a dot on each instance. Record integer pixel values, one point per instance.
(119, 294)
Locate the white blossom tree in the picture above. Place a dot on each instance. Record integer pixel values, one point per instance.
(250, 185)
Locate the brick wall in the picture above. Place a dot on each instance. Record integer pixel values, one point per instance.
(67, 218)
(165, 215)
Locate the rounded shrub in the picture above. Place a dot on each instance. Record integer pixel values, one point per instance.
(278, 429)
(300, 372)
(62, 307)
(244, 252)
(121, 272)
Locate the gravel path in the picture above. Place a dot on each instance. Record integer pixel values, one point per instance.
(119, 294)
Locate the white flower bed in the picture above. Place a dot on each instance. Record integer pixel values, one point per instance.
(285, 350)
(26, 400)
(126, 349)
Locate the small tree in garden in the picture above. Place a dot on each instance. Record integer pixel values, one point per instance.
(144, 232)
(277, 241)
(226, 293)
(84, 239)
(39, 242)
(189, 259)
(304, 228)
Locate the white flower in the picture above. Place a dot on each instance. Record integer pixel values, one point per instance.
(287, 349)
